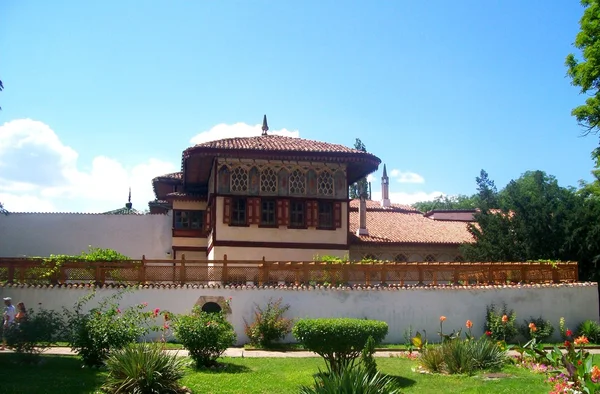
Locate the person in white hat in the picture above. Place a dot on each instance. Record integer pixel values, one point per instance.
(9, 317)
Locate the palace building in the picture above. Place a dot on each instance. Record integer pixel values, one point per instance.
(286, 199)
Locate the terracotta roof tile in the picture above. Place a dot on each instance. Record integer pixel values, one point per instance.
(173, 175)
(401, 224)
(276, 143)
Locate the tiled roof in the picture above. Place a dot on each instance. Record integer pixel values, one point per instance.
(123, 211)
(173, 175)
(182, 195)
(276, 143)
(402, 224)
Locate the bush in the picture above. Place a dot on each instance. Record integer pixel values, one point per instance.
(269, 325)
(500, 324)
(36, 333)
(95, 334)
(351, 381)
(143, 368)
(457, 356)
(339, 341)
(367, 358)
(205, 335)
(590, 329)
(543, 329)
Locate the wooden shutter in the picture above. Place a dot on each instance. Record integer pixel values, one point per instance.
(312, 214)
(283, 208)
(253, 207)
(227, 210)
(207, 219)
(337, 214)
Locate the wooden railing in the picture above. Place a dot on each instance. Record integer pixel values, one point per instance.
(23, 270)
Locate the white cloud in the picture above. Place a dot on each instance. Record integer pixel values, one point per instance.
(406, 176)
(407, 198)
(370, 178)
(40, 173)
(223, 130)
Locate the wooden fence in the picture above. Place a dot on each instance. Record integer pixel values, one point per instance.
(23, 270)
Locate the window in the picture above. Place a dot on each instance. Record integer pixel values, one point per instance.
(325, 214)
(238, 211)
(268, 181)
(267, 213)
(430, 258)
(189, 220)
(400, 258)
(239, 180)
(297, 214)
(297, 182)
(325, 184)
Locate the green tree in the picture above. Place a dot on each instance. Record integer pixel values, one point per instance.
(460, 201)
(362, 185)
(487, 194)
(586, 73)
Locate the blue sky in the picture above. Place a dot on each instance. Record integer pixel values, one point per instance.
(102, 95)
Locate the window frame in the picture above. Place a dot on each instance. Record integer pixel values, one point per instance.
(236, 219)
(191, 213)
(292, 223)
(273, 212)
(330, 225)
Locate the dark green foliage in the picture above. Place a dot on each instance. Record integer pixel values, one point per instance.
(32, 336)
(500, 330)
(339, 341)
(361, 186)
(367, 357)
(269, 325)
(447, 202)
(463, 356)
(205, 335)
(351, 381)
(143, 368)
(543, 329)
(590, 329)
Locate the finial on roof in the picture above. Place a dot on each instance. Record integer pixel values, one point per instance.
(129, 204)
(384, 171)
(265, 126)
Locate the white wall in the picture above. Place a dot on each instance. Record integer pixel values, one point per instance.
(420, 308)
(42, 234)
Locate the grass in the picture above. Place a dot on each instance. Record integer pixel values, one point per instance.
(64, 375)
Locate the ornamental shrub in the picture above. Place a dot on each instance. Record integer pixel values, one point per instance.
(590, 329)
(495, 325)
(205, 335)
(340, 340)
(93, 335)
(269, 325)
(463, 356)
(143, 368)
(351, 381)
(367, 357)
(31, 336)
(543, 329)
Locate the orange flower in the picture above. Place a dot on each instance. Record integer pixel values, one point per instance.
(442, 318)
(504, 319)
(582, 340)
(469, 324)
(532, 327)
(595, 373)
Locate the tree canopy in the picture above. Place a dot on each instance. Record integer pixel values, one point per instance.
(362, 186)
(585, 73)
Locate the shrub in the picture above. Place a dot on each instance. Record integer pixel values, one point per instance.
(500, 323)
(456, 356)
(205, 335)
(543, 329)
(269, 325)
(366, 357)
(95, 334)
(35, 334)
(143, 368)
(590, 329)
(339, 341)
(351, 381)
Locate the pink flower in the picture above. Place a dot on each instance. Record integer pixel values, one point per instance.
(156, 312)
(118, 310)
(145, 304)
(166, 325)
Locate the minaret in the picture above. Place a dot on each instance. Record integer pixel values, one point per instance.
(385, 189)
(265, 126)
(129, 204)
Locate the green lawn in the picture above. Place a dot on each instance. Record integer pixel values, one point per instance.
(64, 375)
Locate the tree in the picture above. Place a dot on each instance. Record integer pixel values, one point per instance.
(487, 193)
(362, 185)
(460, 201)
(586, 73)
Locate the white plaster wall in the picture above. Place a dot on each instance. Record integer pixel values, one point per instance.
(42, 234)
(419, 308)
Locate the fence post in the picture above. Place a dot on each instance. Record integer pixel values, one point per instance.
(11, 272)
(224, 271)
(345, 273)
(555, 275)
(265, 271)
(523, 274)
(142, 272)
(383, 274)
(62, 276)
(421, 274)
(490, 275)
(182, 272)
(305, 273)
(368, 274)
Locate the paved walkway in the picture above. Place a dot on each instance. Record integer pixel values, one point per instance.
(241, 352)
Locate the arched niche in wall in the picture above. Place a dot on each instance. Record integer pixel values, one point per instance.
(210, 304)
(223, 180)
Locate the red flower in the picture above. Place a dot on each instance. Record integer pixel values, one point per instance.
(579, 362)
(156, 312)
(569, 333)
(118, 310)
(488, 333)
(567, 344)
(166, 326)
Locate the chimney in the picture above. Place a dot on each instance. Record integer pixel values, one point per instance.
(362, 215)
(385, 189)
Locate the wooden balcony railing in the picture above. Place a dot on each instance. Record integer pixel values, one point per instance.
(23, 270)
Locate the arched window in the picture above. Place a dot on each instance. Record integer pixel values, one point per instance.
(297, 182)
(211, 307)
(400, 258)
(459, 259)
(430, 258)
(369, 257)
(268, 181)
(325, 183)
(239, 180)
